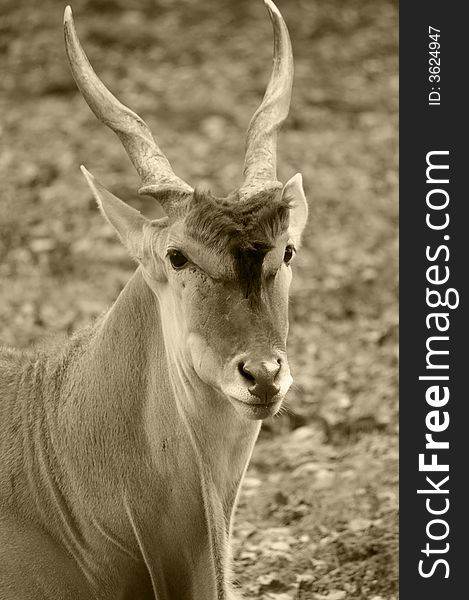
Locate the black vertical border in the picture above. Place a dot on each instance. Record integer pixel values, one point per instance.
(425, 128)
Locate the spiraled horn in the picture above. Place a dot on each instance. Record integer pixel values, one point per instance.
(260, 162)
(158, 178)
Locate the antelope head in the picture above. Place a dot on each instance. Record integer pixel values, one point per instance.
(219, 267)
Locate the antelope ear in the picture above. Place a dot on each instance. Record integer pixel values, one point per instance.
(128, 222)
(293, 191)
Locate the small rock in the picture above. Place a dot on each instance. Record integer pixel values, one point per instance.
(305, 578)
(359, 524)
(306, 469)
(302, 434)
(248, 556)
(313, 548)
(324, 479)
(251, 482)
(318, 563)
(280, 547)
(251, 486)
(274, 532)
(282, 596)
(271, 582)
(267, 579)
(42, 245)
(333, 595)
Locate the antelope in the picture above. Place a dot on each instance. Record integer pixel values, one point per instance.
(122, 454)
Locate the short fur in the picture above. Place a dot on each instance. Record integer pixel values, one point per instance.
(92, 502)
(246, 228)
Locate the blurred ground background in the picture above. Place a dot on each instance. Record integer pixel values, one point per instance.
(318, 515)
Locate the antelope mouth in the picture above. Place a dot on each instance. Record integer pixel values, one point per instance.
(257, 410)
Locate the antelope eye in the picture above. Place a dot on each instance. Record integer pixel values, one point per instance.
(177, 259)
(289, 253)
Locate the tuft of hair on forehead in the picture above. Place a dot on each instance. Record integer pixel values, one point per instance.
(246, 229)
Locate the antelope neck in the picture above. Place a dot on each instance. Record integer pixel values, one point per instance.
(165, 391)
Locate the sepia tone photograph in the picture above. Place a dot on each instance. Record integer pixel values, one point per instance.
(198, 300)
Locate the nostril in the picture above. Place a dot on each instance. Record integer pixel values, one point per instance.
(245, 373)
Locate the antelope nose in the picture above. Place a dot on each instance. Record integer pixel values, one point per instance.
(260, 377)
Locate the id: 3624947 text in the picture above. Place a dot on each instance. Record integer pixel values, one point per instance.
(434, 66)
